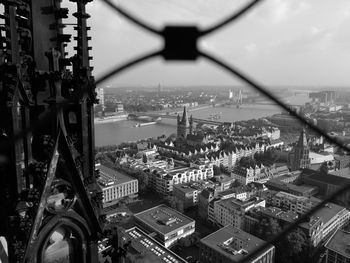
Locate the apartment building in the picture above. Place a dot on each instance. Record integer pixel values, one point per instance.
(115, 185)
(231, 211)
(163, 181)
(249, 175)
(167, 224)
(324, 222)
(293, 203)
(230, 244)
(141, 244)
(338, 247)
(187, 195)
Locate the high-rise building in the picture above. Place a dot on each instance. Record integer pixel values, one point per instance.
(230, 94)
(101, 97)
(299, 157)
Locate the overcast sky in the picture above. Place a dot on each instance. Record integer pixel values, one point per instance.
(281, 42)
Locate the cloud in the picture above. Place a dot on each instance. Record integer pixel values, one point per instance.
(277, 11)
(251, 48)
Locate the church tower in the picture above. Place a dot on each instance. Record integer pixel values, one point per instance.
(182, 125)
(299, 157)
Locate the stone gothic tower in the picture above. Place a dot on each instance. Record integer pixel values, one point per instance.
(299, 157)
(182, 125)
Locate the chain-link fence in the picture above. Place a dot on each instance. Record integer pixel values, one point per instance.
(181, 44)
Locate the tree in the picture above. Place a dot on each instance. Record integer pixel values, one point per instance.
(296, 241)
(216, 169)
(293, 248)
(268, 228)
(144, 158)
(247, 162)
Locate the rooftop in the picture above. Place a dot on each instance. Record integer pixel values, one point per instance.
(110, 177)
(342, 173)
(193, 186)
(277, 213)
(222, 178)
(340, 243)
(227, 240)
(234, 204)
(326, 178)
(142, 244)
(163, 219)
(325, 214)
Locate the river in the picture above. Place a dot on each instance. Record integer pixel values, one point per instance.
(124, 131)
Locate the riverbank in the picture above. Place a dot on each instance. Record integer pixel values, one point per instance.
(124, 131)
(110, 119)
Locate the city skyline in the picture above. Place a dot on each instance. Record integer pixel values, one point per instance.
(299, 43)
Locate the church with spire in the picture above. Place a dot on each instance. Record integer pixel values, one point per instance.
(299, 157)
(184, 125)
(186, 135)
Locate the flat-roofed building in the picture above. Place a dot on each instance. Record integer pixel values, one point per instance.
(222, 182)
(301, 190)
(187, 195)
(142, 246)
(230, 244)
(231, 211)
(328, 184)
(338, 247)
(293, 203)
(168, 224)
(254, 216)
(116, 185)
(324, 222)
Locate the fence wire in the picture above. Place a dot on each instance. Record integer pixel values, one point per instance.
(252, 83)
(47, 115)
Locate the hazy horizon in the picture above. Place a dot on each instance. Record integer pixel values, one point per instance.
(279, 43)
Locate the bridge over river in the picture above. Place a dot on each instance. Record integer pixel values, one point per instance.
(158, 116)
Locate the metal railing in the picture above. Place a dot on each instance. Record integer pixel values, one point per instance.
(180, 43)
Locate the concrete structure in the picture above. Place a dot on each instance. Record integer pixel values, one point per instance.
(327, 184)
(288, 177)
(231, 245)
(293, 203)
(319, 158)
(142, 246)
(229, 159)
(301, 190)
(163, 181)
(205, 197)
(249, 175)
(299, 157)
(338, 247)
(324, 222)
(254, 216)
(186, 195)
(101, 97)
(231, 211)
(167, 224)
(341, 161)
(116, 185)
(222, 182)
